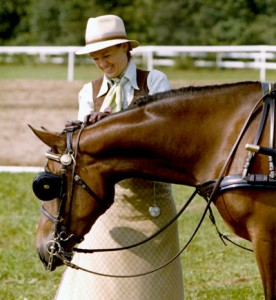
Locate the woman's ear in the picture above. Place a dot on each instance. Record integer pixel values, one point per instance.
(126, 46)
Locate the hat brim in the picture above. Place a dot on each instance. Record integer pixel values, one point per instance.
(105, 44)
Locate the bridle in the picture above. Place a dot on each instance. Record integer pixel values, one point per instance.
(46, 180)
(48, 186)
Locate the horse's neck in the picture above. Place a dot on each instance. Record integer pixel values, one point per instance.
(174, 140)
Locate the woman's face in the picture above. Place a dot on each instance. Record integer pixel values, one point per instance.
(112, 60)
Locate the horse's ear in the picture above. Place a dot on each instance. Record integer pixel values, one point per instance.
(52, 139)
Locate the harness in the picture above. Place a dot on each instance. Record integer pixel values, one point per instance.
(247, 179)
(48, 186)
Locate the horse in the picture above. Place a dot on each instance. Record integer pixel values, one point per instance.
(193, 136)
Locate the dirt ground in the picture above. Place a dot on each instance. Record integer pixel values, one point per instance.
(38, 103)
(46, 103)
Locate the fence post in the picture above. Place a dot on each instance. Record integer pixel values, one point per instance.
(149, 55)
(71, 63)
(263, 65)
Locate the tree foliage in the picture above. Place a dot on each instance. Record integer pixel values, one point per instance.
(162, 22)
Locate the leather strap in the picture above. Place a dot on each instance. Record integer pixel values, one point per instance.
(267, 87)
(231, 182)
(268, 109)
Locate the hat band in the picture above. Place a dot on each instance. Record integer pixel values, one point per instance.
(106, 38)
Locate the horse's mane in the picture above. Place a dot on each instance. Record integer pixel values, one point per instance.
(185, 90)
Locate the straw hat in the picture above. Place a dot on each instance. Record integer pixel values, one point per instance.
(103, 32)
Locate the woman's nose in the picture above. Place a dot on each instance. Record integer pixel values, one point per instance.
(103, 63)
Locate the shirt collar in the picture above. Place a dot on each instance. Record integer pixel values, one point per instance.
(130, 74)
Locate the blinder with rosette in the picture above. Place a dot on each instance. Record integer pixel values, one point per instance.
(47, 186)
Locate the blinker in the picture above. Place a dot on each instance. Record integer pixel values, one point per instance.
(47, 186)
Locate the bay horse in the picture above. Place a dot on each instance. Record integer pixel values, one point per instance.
(194, 136)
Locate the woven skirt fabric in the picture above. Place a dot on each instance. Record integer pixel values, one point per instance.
(128, 221)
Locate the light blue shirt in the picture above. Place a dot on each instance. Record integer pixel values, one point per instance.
(157, 82)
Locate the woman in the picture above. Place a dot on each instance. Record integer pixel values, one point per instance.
(141, 207)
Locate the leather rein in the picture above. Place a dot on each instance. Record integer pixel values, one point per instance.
(208, 191)
(60, 235)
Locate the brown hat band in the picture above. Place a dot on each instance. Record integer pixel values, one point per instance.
(106, 38)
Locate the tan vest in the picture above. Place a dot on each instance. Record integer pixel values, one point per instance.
(141, 81)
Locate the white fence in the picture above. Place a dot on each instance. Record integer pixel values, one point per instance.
(20, 169)
(43, 52)
(252, 57)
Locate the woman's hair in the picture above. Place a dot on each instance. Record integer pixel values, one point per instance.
(128, 51)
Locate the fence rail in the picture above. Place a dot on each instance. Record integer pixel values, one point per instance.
(253, 57)
(20, 169)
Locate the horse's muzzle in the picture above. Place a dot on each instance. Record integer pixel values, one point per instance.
(45, 260)
(52, 261)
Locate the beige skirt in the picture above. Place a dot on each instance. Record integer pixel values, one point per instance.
(128, 221)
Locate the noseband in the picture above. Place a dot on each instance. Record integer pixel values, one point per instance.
(48, 186)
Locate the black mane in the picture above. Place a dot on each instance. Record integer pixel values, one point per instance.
(184, 90)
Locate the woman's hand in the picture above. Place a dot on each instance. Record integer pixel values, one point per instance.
(96, 116)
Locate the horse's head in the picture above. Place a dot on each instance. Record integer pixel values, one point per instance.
(72, 197)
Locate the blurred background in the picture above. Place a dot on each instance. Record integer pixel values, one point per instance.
(35, 89)
(178, 22)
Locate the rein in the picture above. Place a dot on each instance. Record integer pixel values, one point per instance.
(60, 235)
(210, 199)
(74, 266)
(80, 250)
(54, 246)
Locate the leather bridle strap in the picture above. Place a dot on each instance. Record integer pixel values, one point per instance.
(72, 265)
(48, 215)
(84, 186)
(80, 250)
(76, 178)
(268, 109)
(57, 222)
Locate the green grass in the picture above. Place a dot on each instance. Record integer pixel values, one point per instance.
(89, 72)
(22, 276)
(211, 270)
